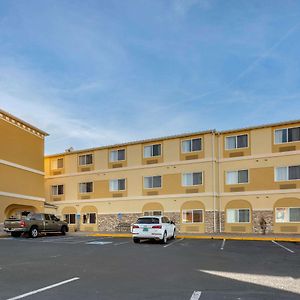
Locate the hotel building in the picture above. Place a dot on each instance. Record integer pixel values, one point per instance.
(21, 167)
(206, 181)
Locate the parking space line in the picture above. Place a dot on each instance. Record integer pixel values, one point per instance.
(287, 249)
(196, 295)
(123, 243)
(173, 243)
(223, 244)
(44, 289)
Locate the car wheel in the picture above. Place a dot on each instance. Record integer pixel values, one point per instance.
(135, 240)
(63, 230)
(16, 234)
(165, 238)
(33, 232)
(174, 234)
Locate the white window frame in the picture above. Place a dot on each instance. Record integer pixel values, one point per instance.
(69, 219)
(237, 171)
(56, 186)
(86, 185)
(85, 155)
(153, 188)
(283, 143)
(191, 144)
(202, 178)
(288, 209)
(287, 174)
(192, 210)
(152, 213)
(88, 219)
(55, 162)
(116, 150)
(236, 148)
(161, 150)
(239, 209)
(111, 190)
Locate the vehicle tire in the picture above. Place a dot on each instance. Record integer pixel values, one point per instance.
(63, 230)
(33, 233)
(136, 240)
(16, 234)
(165, 238)
(174, 234)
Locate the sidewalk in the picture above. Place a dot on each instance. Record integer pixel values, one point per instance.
(216, 236)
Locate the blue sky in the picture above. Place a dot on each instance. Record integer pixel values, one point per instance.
(94, 73)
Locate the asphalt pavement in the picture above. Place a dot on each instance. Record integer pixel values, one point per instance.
(79, 267)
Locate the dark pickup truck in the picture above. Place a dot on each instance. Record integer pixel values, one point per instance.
(35, 223)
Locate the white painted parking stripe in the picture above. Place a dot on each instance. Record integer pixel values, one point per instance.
(98, 243)
(223, 244)
(287, 249)
(196, 295)
(123, 243)
(44, 289)
(172, 243)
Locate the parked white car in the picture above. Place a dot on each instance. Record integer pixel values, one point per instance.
(153, 227)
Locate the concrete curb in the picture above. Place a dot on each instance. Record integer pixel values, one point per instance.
(207, 237)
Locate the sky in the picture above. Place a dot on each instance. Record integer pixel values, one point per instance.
(97, 72)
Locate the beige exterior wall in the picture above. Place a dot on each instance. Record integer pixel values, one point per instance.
(21, 167)
(261, 194)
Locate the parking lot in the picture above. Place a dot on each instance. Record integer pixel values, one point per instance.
(74, 267)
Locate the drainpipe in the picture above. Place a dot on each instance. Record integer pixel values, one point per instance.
(219, 182)
(213, 175)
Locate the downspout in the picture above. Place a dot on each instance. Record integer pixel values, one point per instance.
(219, 188)
(213, 176)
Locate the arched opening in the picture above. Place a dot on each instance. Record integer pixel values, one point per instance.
(287, 215)
(19, 211)
(192, 217)
(88, 218)
(153, 209)
(69, 214)
(238, 216)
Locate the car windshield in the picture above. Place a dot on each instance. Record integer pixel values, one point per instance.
(148, 221)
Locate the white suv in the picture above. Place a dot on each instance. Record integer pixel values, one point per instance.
(153, 227)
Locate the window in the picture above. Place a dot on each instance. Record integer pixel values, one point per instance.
(89, 218)
(57, 190)
(190, 179)
(153, 213)
(70, 218)
(147, 221)
(86, 187)
(152, 150)
(191, 145)
(192, 216)
(238, 215)
(57, 163)
(236, 141)
(287, 135)
(287, 173)
(152, 182)
(117, 155)
(86, 159)
(237, 177)
(287, 214)
(165, 220)
(117, 185)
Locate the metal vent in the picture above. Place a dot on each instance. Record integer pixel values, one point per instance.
(237, 189)
(236, 154)
(117, 195)
(56, 199)
(190, 157)
(238, 228)
(57, 172)
(85, 197)
(152, 161)
(192, 191)
(117, 165)
(85, 169)
(290, 148)
(289, 229)
(152, 193)
(287, 186)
